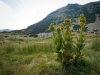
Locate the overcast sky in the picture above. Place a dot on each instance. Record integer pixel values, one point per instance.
(19, 14)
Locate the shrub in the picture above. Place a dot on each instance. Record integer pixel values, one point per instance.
(69, 52)
(33, 35)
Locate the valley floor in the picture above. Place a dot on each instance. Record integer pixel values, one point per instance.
(34, 56)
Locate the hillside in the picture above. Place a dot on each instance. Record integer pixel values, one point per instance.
(6, 30)
(90, 10)
(94, 26)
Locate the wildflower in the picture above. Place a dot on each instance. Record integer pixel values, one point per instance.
(82, 20)
(51, 27)
(67, 21)
(58, 29)
(82, 24)
(61, 27)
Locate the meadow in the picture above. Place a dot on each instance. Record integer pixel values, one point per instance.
(23, 55)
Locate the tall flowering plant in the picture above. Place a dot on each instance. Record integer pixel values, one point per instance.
(68, 51)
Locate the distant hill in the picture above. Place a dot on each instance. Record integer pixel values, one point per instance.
(6, 30)
(90, 10)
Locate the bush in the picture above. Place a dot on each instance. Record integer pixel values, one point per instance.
(69, 52)
(33, 35)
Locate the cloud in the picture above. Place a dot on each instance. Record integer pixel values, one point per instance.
(9, 19)
(31, 13)
(5, 13)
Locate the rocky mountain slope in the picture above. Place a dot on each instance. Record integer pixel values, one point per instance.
(95, 26)
(90, 10)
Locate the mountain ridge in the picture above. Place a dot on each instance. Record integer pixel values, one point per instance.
(69, 11)
(5, 30)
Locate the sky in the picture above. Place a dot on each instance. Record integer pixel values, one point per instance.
(19, 14)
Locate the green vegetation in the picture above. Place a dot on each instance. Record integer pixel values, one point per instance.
(69, 52)
(96, 45)
(21, 55)
(33, 35)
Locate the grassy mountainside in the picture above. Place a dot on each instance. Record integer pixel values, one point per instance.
(69, 11)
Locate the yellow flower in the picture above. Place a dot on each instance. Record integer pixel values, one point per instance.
(80, 23)
(67, 21)
(82, 20)
(81, 15)
(61, 27)
(58, 29)
(51, 27)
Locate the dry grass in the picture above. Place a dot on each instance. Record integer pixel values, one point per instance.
(36, 57)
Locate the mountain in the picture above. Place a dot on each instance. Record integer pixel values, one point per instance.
(95, 26)
(6, 30)
(90, 10)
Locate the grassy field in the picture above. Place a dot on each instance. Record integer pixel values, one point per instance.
(21, 55)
